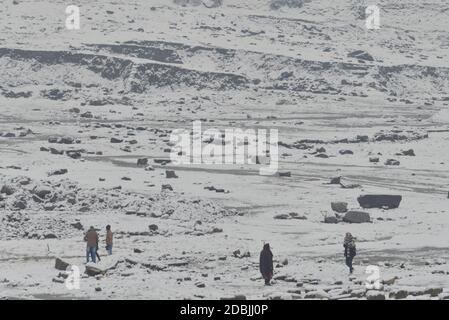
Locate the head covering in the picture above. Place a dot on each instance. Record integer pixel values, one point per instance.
(349, 239)
(266, 246)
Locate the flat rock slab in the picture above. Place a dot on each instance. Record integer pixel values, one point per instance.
(357, 217)
(379, 201)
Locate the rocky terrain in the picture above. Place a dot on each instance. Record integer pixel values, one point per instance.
(85, 123)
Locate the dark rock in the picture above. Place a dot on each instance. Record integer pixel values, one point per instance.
(153, 227)
(361, 55)
(58, 172)
(434, 292)
(61, 265)
(335, 180)
(236, 297)
(379, 201)
(392, 162)
(66, 140)
(42, 192)
(87, 115)
(282, 216)
(356, 217)
(142, 162)
(169, 174)
(20, 205)
(116, 140)
(56, 151)
(285, 174)
(167, 187)
(375, 295)
(340, 207)
(409, 152)
(330, 219)
(92, 271)
(8, 190)
(77, 226)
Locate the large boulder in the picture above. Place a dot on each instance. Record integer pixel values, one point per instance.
(330, 219)
(61, 265)
(8, 190)
(93, 271)
(379, 201)
(340, 207)
(42, 192)
(20, 205)
(356, 217)
(170, 174)
(375, 295)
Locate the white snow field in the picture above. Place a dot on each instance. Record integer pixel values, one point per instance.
(79, 108)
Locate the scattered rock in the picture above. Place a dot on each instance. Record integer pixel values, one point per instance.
(282, 216)
(58, 172)
(8, 190)
(93, 271)
(169, 174)
(379, 201)
(335, 180)
(357, 217)
(392, 162)
(340, 207)
(409, 152)
(375, 295)
(20, 205)
(61, 265)
(236, 297)
(142, 162)
(116, 140)
(77, 226)
(167, 187)
(285, 174)
(361, 55)
(434, 292)
(330, 219)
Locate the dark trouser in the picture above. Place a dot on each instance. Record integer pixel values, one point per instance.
(349, 263)
(96, 254)
(91, 252)
(267, 276)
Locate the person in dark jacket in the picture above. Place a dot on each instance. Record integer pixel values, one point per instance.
(91, 239)
(350, 250)
(266, 263)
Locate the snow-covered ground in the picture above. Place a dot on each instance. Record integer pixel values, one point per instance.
(137, 71)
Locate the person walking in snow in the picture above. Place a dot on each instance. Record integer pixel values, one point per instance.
(266, 263)
(350, 250)
(91, 239)
(109, 237)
